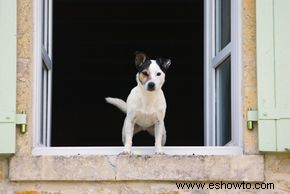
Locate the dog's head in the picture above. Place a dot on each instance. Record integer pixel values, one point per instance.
(151, 73)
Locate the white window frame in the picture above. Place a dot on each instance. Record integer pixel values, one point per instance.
(235, 148)
(212, 60)
(42, 72)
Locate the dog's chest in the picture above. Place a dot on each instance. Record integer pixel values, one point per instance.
(146, 108)
(146, 119)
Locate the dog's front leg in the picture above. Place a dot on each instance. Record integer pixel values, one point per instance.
(128, 129)
(159, 130)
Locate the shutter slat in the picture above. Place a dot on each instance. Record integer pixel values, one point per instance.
(282, 69)
(273, 70)
(265, 71)
(7, 75)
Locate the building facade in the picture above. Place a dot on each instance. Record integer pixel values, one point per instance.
(263, 162)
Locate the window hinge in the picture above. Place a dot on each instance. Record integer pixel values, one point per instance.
(252, 116)
(21, 121)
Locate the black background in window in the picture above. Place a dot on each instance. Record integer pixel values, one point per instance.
(93, 46)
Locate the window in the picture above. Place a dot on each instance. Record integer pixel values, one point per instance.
(92, 51)
(222, 74)
(44, 72)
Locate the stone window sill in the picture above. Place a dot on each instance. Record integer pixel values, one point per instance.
(248, 168)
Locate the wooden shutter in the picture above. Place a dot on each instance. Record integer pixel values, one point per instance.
(7, 76)
(273, 74)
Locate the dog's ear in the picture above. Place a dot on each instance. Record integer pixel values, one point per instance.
(163, 63)
(140, 58)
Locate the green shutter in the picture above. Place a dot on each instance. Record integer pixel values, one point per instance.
(7, 76)
(273, 74)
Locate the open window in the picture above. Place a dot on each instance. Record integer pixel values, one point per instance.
(43, 53)
(223, 73)
(92, 45)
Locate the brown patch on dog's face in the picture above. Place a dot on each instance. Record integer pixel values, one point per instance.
(144, 76)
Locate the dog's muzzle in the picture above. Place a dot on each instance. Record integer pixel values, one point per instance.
(151, 86)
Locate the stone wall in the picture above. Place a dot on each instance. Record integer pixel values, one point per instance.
(13, 175)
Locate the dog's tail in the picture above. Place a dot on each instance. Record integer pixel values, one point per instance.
(119, 103)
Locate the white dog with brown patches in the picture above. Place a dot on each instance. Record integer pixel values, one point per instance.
(146, 105)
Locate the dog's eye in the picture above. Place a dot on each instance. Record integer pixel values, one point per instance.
(158, 74)
(145, 73)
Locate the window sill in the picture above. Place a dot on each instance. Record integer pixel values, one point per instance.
(147, 150)
(248, 168)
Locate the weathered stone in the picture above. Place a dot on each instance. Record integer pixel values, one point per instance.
(25, 68)
(194, 168)
(24, 28)
(1, 170)
(23, 143)
(92, 168)
(62, 168)
(277, 171)
(249, 73)
(26, 192)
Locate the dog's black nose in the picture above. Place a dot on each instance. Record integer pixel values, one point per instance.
(151, 86)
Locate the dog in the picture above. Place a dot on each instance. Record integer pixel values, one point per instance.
(146, 105)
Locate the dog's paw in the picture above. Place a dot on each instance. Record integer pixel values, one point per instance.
(160, 153)
(125, 152)
(159, 150)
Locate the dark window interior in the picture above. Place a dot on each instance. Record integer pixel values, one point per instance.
(93, 46)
